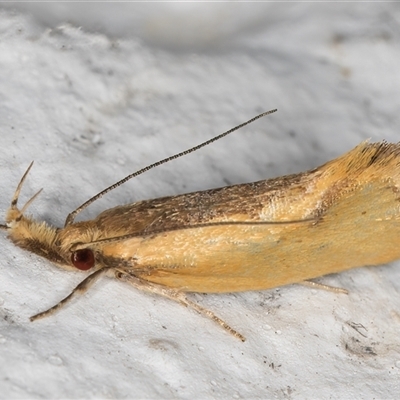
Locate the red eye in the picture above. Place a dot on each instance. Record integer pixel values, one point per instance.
(83, 259)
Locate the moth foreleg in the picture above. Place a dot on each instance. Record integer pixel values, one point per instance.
(177, 296)
(317, 285)
(80, 289)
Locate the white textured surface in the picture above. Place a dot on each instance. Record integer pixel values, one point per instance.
(90, 108)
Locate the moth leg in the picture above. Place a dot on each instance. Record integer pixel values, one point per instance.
(177, 296)
(80, 289)
(317, 285)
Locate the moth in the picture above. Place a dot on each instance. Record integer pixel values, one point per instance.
(251, 236)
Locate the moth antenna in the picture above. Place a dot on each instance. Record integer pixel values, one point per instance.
(71, 217)
(14, 200)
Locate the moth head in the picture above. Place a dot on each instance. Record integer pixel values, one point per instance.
(74, 243)
(45, 240)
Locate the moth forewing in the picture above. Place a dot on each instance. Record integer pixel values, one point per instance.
(354, 200)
